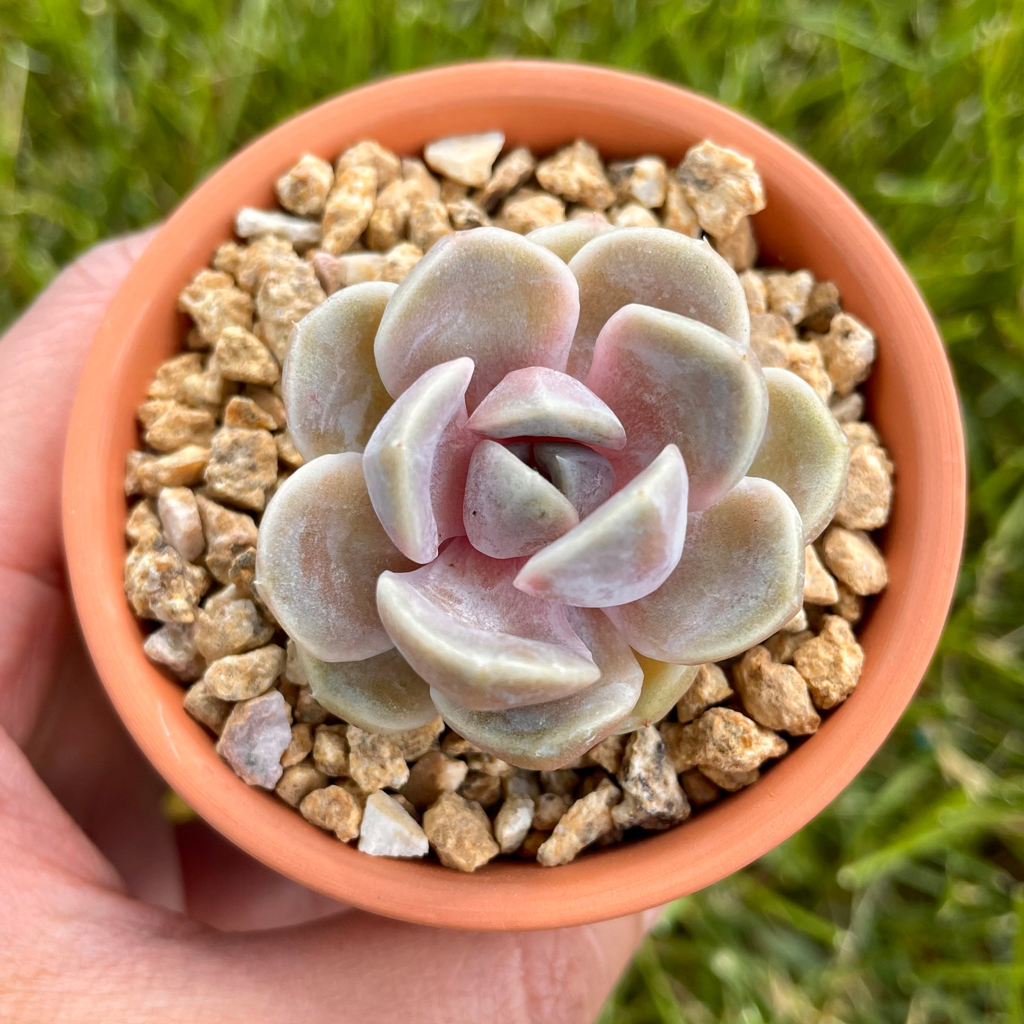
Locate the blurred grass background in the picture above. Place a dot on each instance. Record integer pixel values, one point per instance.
(901, 902)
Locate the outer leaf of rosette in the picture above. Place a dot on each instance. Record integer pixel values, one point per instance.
(566, 239)
(554, 734)
(672, 380)
(332, 392)
(663, 685)
(318, 556)
(654, 267)
(804, 450)
(416, 461)
(739, 580)
(623, 550)
(488, 294)
(470, 634)
(379, 694)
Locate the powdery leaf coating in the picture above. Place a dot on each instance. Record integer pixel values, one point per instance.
(467, 159)
(672, 380)
(584, 476)
(566, 239)
(488, 294)
(539, 402)
(389, 830)
(469, 633)
(510, 510)
(550, 735)
(804, 450)
(664, 685)
(774, 695)
(255, 735)
(654, 267)
(403, 464)
(378, 694)
(319, 553)
(331, 389)
(623, 550)
(739, 579)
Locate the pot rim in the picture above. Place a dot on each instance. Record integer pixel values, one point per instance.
(924, 431)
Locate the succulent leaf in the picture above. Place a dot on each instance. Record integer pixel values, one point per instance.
(663, 685)
(584, 476)
(566, 239)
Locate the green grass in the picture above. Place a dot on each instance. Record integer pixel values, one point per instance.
(903, 900)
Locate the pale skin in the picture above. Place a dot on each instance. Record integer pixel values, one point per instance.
(110, 913)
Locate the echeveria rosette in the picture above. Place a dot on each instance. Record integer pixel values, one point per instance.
(539, 493)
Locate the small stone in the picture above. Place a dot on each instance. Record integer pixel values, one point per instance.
(489, 765)
(428, 223)
(789, 294)
(677, 214)
(134, 461)
(465, 214)
(455, 745)
(467, 159)
(241, 356)
(304, 187)
(831, 662)
(159, 584)
(374, 762)
(208, 390)
(389, 830)
(293, 670)
(244, 676)
(699, 789)
(854, 560)
(227, 258)
(822, 306)
(849, 605)
(205, 708)
(482, 789)
(548, 809)
(587, 820)
(643, 181)
(227, 533)
(632, 215)
(819, 586)
(461, 836)
(585, 213)
(390, 215)
(710, 687)
(308, 708)
(849, 350)
(770, 336)
(242, 467)
(722, 186)
(432, 775)
(288, 291)
(577, 175)
(179, 517)
(512, 822)
(269, 401)
(510, 172)
(297, 782)
(253, 223)
(214, 302)
(333, 809)
(523, 783)
(607, 754)
(368, 153)
(648, 777)
(721, 738)
(562, 781)
(531, 844)
(590, 782)
(299, 747)
(173, 646)
(399, 261)
(861, 433)
(804, 358)
(334, 272)
(774, 695)
(405, 804)
(182, 468)
(414, 743)
(526, 210)
(255, 735)
(176, 426)
(783, 644)
(799, 621)
(847, 409)
(143, 526)
(739, 249)
(170, 375)
(348, 208)
(731, 781)
(231, 627)
(286, 450)
(330, 749)
(868, 497)
(244, 412)
(257, 259)
(756, 294)
(421, 183)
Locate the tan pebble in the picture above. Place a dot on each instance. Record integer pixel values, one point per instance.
(756, 294)
(452, 191)
(739, 249)
(348, 208)
(819, 586)
(861, 433)
(455, 745)
(783, 644)
(522, 783)
(299, 747)
(269, 401)
(255, 735)
(548, 809)
(330, 749)
(849, 605)
(731, 782)
(158, 584)
(699, 789)
(374, 762)
(300, 232)
(421, 183)
(648, 777)
(286, 450)
(585, 213)
(467, 159)
(399, 261)
(849, 350)
(297, 782)
(151, 410)
(182, 468)
(461, 837)
(334, 272)
(414, 743)
(333, 809)
(390, 216)
(227, 258)
(431, 775)
(368, 153)
(770, 338)
(789, 294)
(289, 290)
(526, 210)
(205, 708)
(512, 822)
(721, 185)
(214, 302)
(173, 645)
(868, 497)
(308, 708)
(389, 830)
(632, 215)
(607, 754)
(482, 788)
(677, 214)
(822, 306)
(352, 787)
(804, 358)
(244, 412)
(242, 467)
(591, 781)
(428, 223)
(831, 662)
(774, 695)
(227, 534)
(531, 844)
(241, 356)
(293, 670)
(179, 518)
(208, 390)
(231, 627)
(511, 171)
(143, 526)
(847, 409)
(489, 765)
(721, 738)
(644, 181)
(178, 426)
(134, 461)
(303, 188)
(243, 676)
(577, 175)
(406, 805)
(585, 821)
(854, 560)
(710, 687)
(561, 780)
(465, 214)
(170, 375)
(255, 261)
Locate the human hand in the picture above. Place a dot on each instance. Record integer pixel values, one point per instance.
(110, 913)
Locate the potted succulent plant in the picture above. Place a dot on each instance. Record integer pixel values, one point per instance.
(595, 390)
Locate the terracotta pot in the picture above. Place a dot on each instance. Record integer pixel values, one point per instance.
(810, 222)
